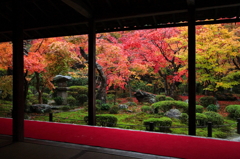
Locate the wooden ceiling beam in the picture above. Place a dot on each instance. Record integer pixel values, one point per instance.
(127, 16)
(80, 7)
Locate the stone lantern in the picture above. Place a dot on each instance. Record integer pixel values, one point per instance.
(62, 86)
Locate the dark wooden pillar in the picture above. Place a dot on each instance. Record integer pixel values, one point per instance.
(18, 72)
(91, 73)
(191, 68)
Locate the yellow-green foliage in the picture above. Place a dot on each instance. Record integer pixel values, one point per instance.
(104, 120)
(6, 86)
(158, 122)
(233, 110)
(167, 105)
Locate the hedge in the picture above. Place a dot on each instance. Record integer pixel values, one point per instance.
(214, 117)
(163, 98)
(104, 120)
(199, 109)
(207, 100)
(234, 111)
(201, 119)
(79, 93)
(157, 122)
(167, 105)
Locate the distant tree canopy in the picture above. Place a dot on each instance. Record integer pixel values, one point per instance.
(158, 56)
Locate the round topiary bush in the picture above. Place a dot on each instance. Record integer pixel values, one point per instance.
(114, 110)
(45, 100)
(234, 111)
(82, 98)
(160, 98)
(201, 119)
(104, 120)
(212, 107)
(184, 118)
(169, 98)
(105, 106)
(71, 100)
(214, 117)
(199, 109)
(79, 93)
(58, 100)
(167, 105)
(207, 100)
(158, 122)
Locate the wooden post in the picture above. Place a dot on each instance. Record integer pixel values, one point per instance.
(18, 72)
(209, 129)
(151, 126)
(238, 125)
(91, 73)
(191, 68)
(50, 117)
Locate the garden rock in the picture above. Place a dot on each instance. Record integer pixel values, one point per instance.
(145, 96)
(122, 106)
(40, 108)
(173, 113)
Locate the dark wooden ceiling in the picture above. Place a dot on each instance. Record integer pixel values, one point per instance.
(51, 18)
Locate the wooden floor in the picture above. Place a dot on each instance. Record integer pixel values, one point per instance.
(43, 149)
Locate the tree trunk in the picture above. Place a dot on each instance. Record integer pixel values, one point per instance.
(26, 85)
(101, 92)
(38, 84)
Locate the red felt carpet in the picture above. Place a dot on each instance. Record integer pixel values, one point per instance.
(145, 142)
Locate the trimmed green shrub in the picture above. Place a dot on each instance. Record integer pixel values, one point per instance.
(199, 109)
(169, 98)
(79, 89)
(220, 134)
(105, 106)
(79, 93)
(184, 118)
(214, 117)
(71, 100)
(212, 107)
(234, 111)
(167, 105)
(146, 109)
(82, 98)
(160, 98)
(201, 119)
(58, 100)
(158, 122)
(104, 120)
(45, 100)
(77, 82)
(207, 100)
(114, 110)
